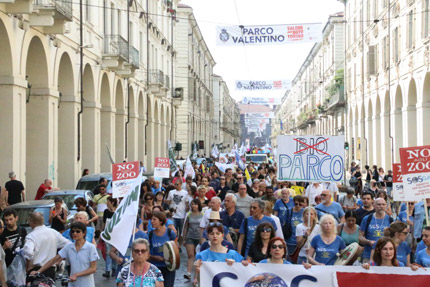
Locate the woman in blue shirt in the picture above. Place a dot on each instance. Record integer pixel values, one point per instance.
(277, 252)
(423, 257)
(326, 245)
(384, 255)
(157, 237)
(398, 231)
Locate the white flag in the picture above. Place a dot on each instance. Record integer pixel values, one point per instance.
(189, 169)
(119, 229)
(215, 152)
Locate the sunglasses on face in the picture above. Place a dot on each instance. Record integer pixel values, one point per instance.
(275, 246)
(296, 203)
(215, 224)
(148, 198)
(75, 231)
(267, 229)
(139, 251)
(254, 207)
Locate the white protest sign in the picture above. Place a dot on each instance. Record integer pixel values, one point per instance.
(189, 169)
(398, 192)
(268, 34)
(262, 85)
(125, 176)
(223, 166)
(219, 274)
(415, 162)
(162, 167)
(269, 115)
(311, 158)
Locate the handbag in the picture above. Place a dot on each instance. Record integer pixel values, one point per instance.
(353, 180)
(295, 255)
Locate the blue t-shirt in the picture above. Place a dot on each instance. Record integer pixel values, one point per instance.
(402, 251)
(402, 217)
(252, 226)
(283, 212)
(420, 247)
(326, 253)
(334, 209)
(296, 219)
(157, 245)
(266, 261)
(234, 220)
(402, 207)
(168, 223)
(374, 231)
(88, 236)
(211, 256)
(225, 243)
(400, 264)
(360, 203)
(423, 258)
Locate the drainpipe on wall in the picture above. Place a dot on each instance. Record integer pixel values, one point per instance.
(81, 74)
(147, 76)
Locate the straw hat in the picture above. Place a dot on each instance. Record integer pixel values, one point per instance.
(214, 215)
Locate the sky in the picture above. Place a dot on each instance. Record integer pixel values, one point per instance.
(276, 62)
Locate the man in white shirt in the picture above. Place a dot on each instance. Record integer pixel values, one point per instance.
(41, 244)
(332, 186)
(312, 191)
(215, 205)
(178, 200)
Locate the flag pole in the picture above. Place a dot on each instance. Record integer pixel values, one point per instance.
(309, 217)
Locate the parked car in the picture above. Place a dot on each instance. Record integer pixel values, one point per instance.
(90, 182)
(43, 206)
(69, 196)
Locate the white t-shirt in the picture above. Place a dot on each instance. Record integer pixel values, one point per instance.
(278, 231)
(179, 201)
(301, 231)
(313, 191)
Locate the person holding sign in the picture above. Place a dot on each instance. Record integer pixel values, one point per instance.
(277, 252)
(385, 254)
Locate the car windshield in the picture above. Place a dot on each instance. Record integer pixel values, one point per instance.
(23, 214)
(87, 185)
(68, 199)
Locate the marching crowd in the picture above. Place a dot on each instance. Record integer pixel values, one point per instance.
(228, 216)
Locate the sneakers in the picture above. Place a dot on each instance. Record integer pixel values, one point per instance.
(187, 276)
(106, 274)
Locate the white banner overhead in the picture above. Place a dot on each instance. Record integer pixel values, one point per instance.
(269, 115)
(262, 85)
(261, 101)
(268, 34)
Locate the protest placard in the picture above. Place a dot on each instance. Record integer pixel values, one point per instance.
(162, 167)
(125, 176)
(398, 192)
(311, 158)
(415, 163)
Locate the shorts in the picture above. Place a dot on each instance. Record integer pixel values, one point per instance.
(193, 241)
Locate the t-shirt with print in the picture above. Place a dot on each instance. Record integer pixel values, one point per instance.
(402, 251)
(297, 218)
(334, 209)
(252, 226)
(423, 258)
(282, 210)
(211, 256)
(326, 253)
(16, 238)
(374, 231)
(151, 277)
(179, 201)
(157, 242)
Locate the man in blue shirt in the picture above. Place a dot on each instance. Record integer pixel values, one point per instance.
(330, 207)
(371, 229)
(283, 206)
(249, 225)
(231, 217)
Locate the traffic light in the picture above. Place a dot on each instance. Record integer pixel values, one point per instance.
(346, 146)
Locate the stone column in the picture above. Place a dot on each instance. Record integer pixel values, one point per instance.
(91, 145)
(107, 136)
(423, 116)
(133, 138)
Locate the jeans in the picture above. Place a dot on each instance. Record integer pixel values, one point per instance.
(110, 263)
(169, 276)
(178, 223)
(301, 259)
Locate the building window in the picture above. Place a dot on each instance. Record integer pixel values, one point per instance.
(396, 47)
(385, 51)
(411, 38)
(371, 60)
(426, 18)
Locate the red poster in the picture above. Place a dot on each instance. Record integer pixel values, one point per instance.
(162, 162)
(415, 159)
(346, 279)
(397, 173)
(125, 170)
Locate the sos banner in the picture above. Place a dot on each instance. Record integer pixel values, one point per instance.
(415, 162)
(245, 85)
(125, 177)
(311, 158)
(162, 167)
(398, 192)
(219, 274)
(268, 35)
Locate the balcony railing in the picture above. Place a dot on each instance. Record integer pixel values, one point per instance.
(338, 98)
(156, 77)
(115, 45)
(64, 7)
(134, 57)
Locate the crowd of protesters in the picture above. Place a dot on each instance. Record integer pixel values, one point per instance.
(232, 215)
